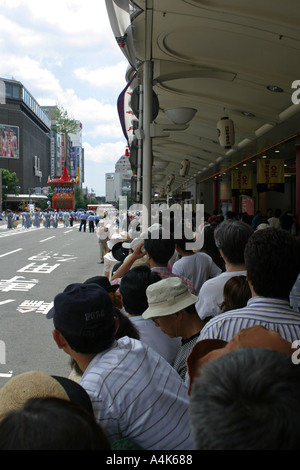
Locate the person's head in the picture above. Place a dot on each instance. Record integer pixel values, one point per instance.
(277, 213)
(170, 299)
(272, 260)
(37, 384)
(231, 237)
(209, 246)
(133, 288)
(83, 315)
(51, 424)
(184, 243)
(160, 246)
(236, 293)
(248, 399)
(102, 281)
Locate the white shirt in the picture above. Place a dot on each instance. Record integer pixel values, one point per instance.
(211, 294)
(198, 267)
(274, 222)
(154, 337)
(136, 394)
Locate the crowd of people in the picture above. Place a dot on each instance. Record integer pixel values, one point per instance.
(172, 348)
(49, 218)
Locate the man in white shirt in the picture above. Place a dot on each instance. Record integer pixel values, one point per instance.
(135, 393)
(231, 237)
(197, 267)
(272, 261)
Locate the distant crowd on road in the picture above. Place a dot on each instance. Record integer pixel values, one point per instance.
(172, 348)
(48, 218)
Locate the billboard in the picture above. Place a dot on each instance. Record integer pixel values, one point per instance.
(9, 141)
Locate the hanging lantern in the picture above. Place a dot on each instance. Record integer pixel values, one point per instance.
(225, 130)
(184, 168)
(126, 152)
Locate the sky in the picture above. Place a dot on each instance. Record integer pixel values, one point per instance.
(64, 52)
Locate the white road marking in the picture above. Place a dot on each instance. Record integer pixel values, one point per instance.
(6, 375)
(45, 239)
(10, 252)
(6, 301)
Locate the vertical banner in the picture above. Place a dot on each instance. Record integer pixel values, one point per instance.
(270, 175)
(0, 190)
(9, 141)
(247, 205)
(241, 182)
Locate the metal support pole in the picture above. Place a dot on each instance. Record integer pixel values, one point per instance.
(147, 143)
(140, 147)
(298, 181)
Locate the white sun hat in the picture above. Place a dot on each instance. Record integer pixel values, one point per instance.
(167, 296)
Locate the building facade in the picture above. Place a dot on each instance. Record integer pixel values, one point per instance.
(24, 136)
(118, 184)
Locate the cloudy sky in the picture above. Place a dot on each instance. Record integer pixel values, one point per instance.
(64, 52)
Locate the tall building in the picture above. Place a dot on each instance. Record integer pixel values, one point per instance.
(66, 149)
(77, 155)
(119, 183)
(24, 137)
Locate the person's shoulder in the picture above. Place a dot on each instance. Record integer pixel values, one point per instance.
(212, 329)
(212, 282)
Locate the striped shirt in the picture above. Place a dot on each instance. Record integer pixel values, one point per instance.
(274, 314)
(180, 360)
(137, 394)
(165, 272)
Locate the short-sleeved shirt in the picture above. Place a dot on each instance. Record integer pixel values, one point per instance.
(137, 394)
(273, 314)
(198, 268)
(210, 296)
(165, 272)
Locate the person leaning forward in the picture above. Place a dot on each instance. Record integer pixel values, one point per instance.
(135, 393)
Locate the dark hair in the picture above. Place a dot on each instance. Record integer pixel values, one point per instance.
(231, 237)
(187, 237)
(209, 246)
(277, 213)
(126, 327)
(133, 288)
(236, 293)
(51, 424)
(158, 248)
(272, 259)
(248, 399)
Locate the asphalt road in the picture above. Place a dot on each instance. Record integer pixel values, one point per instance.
(35, 265)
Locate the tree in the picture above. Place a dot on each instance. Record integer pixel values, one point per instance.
(63, 123)
(9, 183)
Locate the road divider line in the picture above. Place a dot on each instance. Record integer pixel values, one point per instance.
(10, 252)
(6, 301)
(45, 239)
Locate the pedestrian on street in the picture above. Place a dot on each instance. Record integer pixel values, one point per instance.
(83, 219)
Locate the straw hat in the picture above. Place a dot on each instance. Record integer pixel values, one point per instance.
(35, 384)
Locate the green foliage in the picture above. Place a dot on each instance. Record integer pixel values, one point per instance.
(82, 199)
(64, 124)
(9, 183)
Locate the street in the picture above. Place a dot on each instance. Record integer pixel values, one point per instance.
(35, 265)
